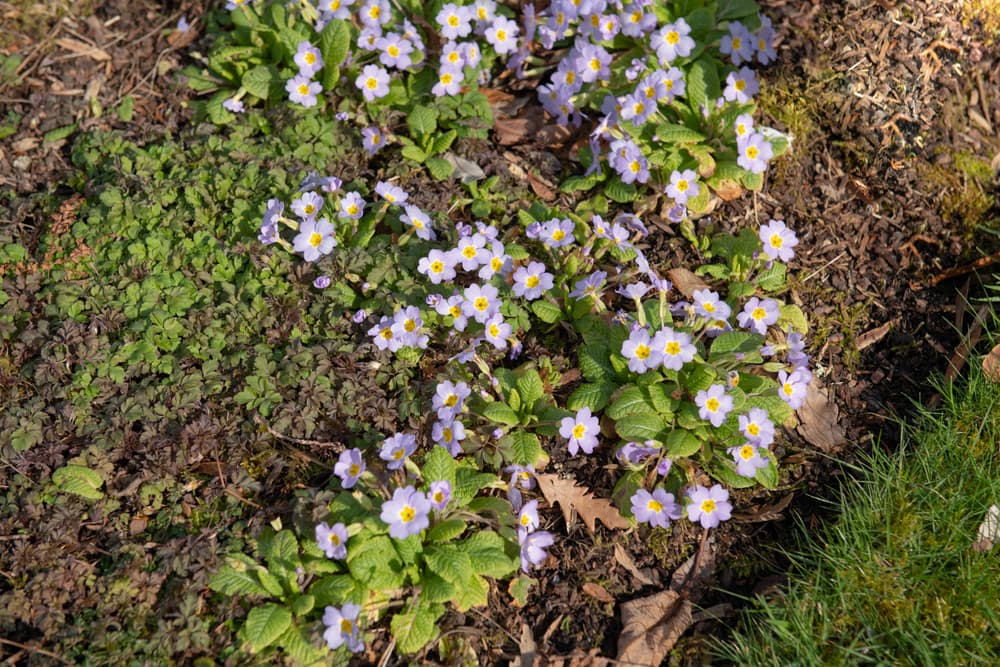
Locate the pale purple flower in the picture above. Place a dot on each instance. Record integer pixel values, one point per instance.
(449, 399)
(449, 434)
(383, 335)
(708, 304)
(497, 261)
(592, 286)
(439, 494)
(308, 205)
(754, 153)
(792, 387)
(532, 281)
(593, 63)
(710, 507)
(633, 452)
(406, 513)
(352, 206)
(336, 9)
(438, 266)
(747, 459)
(497, 331)
(481, 301)
(637, 108)
(449, 81)
(407, 325)
(533, 546)
(373, 82)
(452, 307)
(634, 291)
(672, 41)
(765, 42)
(309, 59)
(302, 90)
(183, 25)
(557, 233)
(741, 86)
(796, 355)
(419, 220)
(657, 508)
(451, 57)
(581, 431)
(502, 34)
(332, 540)
(455, 21)
(527, 517)
(472, 251)
(349, 467)
(758, 315)
(322, 282)
(396, 449)
(375, 13)
(714, 404)
(675, 348)
(522, 477)
(315, 238)
(642, 355)
(394, 50)
(743, 126)
(757, 427)
(683, 186)
(663, 467)
(779, 241)
(234, 105)
(391, 193)
(372, 140)
(738, 44)
(342, 627)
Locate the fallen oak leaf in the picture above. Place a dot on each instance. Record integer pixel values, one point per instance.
(571, 497)
(991, 364)
(819, 419)
(686, 281)
(651, 627)
(598, 592)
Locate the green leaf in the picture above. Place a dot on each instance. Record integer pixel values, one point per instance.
(752, 181)
(335, 589)
(594, 364)
(733, 342)
(681, 442)
(520, 588)
(581, 183)
(698, 376)
(444, 141)
(376, 562)
(488, 556)
(58, 133)
(446, 530)
(414, 153)
(474, 592)
(546, 311)
(303, 604)
(235, 579)
(631, 401)
(768, 475)
(792, 315)
(640, 427)
(497, 506)
(436, 589)
(621, 192)
(736, 9)
(415, 627)
(450, 562)
(258, 80)
(469, 482)
(661, 398)
(517, 253)
(724, 471)
(265, 624)
(422, 121)
(298, 647)
(591, 395)
(439, 167)
(439, 465)
(334, 43)
(501, 413)
(531, 388)
(525, 446)
(269, 582)
(702, 82)
(677, 134)
(80, 481)
(772, 279)
(779, 411)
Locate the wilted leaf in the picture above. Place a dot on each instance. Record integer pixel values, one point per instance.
(818, 419)
(527, 646)
(571, 497)
(991, 364)
(646, 577)
(872, 336)
(989, 530)
(597, 592)
(652, 625)
(686, 281)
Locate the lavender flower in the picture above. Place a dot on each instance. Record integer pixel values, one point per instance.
(657, 508)
(406, 513)
(396, 449)
(533, 546)
(349, 467)
(779, 241)
(757, 427)
(714, 404)
(372, 140)
(710, 507)
(439, 494)
(315, 238)
(309, 60)
(581, 431)
(332, 540)
(342, 627)
(302, 90)
(759, 314)
(748, 459)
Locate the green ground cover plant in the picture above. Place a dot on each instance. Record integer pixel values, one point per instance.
(897, 579)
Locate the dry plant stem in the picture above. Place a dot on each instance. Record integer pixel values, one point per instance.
(35, 649)
(335, 446)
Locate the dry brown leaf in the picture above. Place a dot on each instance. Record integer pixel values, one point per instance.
(989, 530)
(646, 577)
(571, 497)
(83, 49)
(686, 282)
(529, 649)
(652, 625)
(541, 187)
(818, 419)
(598, 592)
(991, 364)
(771, 512)
(872, 336)
(692, 578)
(728, 189)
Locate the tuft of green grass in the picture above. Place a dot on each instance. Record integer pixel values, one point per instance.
(896, 581)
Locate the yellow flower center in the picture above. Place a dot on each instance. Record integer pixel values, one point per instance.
(669, 83)
(709, 306)
(335, 539)
(752, 152)
(682, 185)
(437, 267)
(481, 303)
(532, 281)
(352, 209)
(481, 13)
(393, 50)
(708, 506)
(375, 11)
(386, 333)
(303, 89)
(558, 235)
(470, 251)
(452, 400)
(354, 470)
(712, 404)
(410, 325)
(746, 452)
(310, 58)
(579, 431)
(439, 495)
(453, 57)
(736, 43)
(672, 348)
(741, 129)
(525, 519)
(494, 330)
(740, 85)
(635, 17)
(753, 429)
(407, 514)
(634, 166)
(446, 78)
(346, 626)
(673, 37)
(371, 83)
(595, 64)
(776, 241)
(642, 352)
(376, 138)
(315, 239)
(446, 435)
(638, 108)
(496, 263)
(758, 313)
(398, 454)
(788, 389)
(455, 311)
(453, 21)
(654, 506)
(501, 35)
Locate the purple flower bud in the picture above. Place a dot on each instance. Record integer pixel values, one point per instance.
(360, 316)
(321, 282)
